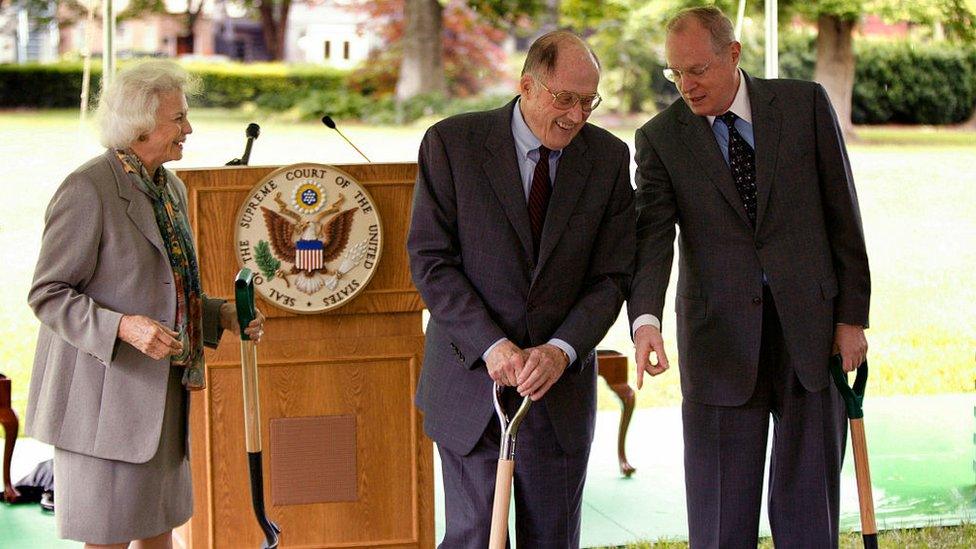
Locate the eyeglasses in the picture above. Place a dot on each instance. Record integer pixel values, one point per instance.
(566, 100)
(673, 75)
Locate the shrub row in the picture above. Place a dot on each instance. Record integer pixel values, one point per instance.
(895, 82)
(270, 86)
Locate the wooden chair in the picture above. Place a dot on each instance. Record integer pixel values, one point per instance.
(613, 368)
(10, 426)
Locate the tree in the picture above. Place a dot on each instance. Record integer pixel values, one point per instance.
(190, 16)
(422, 68)
(837, 20)
(470, 53)
(274, 21)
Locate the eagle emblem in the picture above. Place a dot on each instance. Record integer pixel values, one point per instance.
(310, 242)
(312, 236)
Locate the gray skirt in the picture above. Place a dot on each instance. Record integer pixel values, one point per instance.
(102, 501)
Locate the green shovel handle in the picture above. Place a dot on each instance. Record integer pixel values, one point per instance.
(853, 395)
(244, 300)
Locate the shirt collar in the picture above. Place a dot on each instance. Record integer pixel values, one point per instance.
(741, 106)
(526, 143)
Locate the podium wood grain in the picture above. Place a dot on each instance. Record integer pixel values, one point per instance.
(362, 359)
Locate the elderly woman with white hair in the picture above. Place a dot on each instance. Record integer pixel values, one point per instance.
(123, 323)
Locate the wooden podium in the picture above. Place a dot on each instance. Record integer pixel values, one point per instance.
(346, 462)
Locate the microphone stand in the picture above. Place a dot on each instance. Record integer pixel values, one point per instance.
(327, 120)
(252, 132)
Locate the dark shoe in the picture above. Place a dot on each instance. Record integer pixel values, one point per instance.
(47, 501)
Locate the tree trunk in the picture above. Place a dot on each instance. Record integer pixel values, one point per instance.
(188, 36)
(274, 21)
(422, 68)
(835, 66)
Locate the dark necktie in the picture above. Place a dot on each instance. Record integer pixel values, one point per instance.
(742, 161)
(539, 195)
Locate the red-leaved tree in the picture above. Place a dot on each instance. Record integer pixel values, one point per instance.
(472, 49)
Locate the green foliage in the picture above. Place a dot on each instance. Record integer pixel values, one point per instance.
(44, 86)
(912, 84)
(895, 82)
(385, 110)
(266, 260)
(269, 86)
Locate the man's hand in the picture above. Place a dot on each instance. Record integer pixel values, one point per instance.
(542, 369)
(648, 339)
(505, 362)
(149, 337)
(228, 321)
(850, 343)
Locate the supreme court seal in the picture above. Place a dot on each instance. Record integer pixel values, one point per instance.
(311, 235)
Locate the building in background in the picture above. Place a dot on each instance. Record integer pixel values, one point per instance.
(328, 32)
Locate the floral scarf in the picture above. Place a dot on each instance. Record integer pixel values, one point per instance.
(174, 228)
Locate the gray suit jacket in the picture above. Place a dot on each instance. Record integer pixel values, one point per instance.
(471, 257)
(102, 257)
(808, 239)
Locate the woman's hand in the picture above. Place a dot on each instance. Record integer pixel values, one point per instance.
(228, 320)
(150, 337)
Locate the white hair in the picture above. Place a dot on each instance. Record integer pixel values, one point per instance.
(127, 108)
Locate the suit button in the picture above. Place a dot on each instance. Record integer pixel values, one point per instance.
(759, 244)
(757, 300)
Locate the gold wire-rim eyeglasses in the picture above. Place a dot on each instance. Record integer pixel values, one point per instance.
(673, 75)
(566, 100)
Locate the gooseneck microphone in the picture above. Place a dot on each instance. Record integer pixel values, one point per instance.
(327, 120)
(252, 132)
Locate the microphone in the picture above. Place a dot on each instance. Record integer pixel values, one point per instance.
(327, 120)
(252, 132)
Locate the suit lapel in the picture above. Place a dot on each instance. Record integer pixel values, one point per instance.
(139, 209)
(700, 141)
(571, 175)
(503, 173)
(766, 126)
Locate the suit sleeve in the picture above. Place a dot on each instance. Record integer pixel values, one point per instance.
(608, 270)
(842, 216)
(435, 255)
(656, 219)
(68, 258)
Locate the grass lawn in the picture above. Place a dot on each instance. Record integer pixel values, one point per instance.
(943, 537)
(914, 184)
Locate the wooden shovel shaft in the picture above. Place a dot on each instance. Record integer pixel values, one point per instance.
(503, 497)
(252, 407)
(863, 472)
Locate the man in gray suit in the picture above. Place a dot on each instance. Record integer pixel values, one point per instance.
(773, 278)
(521, 244)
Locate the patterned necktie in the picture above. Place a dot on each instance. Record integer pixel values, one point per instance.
(539, 195)
(742, 161)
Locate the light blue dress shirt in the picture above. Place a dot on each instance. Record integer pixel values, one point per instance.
(527, 150)
(721, 132)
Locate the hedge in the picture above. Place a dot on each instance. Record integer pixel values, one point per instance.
(895, 82)
(270, 86)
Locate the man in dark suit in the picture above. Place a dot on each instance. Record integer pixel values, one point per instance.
(773, 278)
(522, 245)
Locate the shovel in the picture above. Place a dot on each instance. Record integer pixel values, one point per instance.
(853, 398)
(244, 295)
(506, 468)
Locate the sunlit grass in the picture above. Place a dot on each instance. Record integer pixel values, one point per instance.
(933, 537)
